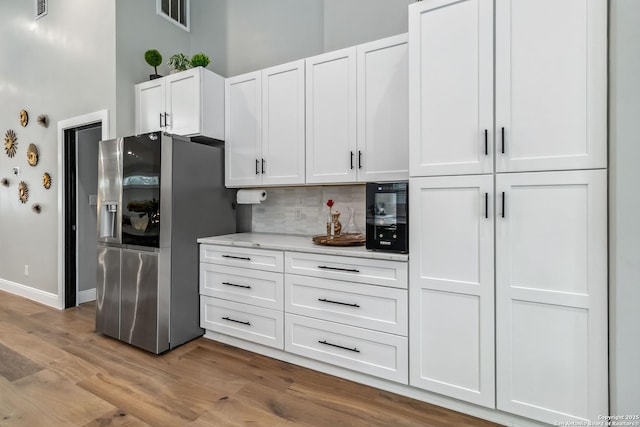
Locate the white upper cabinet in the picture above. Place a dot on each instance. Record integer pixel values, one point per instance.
(358, 113)
(189, 103)
(331, 152)
(265, 127)
(550, 86)
(451, 80)
(243, 132)
(383, 110)
(551, 81)
(283, 124)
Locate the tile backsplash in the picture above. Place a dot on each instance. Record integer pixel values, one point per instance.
(304, 211)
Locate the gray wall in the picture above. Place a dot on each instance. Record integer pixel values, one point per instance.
(624, 206)
(62, 65)
(351, 22)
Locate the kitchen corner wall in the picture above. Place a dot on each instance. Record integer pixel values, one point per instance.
(303, 210)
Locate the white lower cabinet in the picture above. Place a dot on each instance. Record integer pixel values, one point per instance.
(452, 284)
(248, 322)
(551, 295)
(550, 256)
(371, 352)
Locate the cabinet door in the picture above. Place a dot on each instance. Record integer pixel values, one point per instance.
(451, 292)
(383, 110)
(243, 121)
(451, 87)
(551, 288)
(331, 117)
(184, 102)
(551, 78)
(150, 106)
(283, 124)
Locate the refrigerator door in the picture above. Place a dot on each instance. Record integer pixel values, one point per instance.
(108, 291)
(139, 300)
(109, 191)
(141, 190)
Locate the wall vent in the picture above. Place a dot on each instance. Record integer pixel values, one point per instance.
(41, 8)
(176, 11)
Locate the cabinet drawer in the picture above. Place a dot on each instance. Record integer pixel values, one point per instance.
(250, 323)
(372, 307)
(261, 288)
(363, 270)
(374, 353)
(260, 259)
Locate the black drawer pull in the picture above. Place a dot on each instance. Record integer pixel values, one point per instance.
(359, 159)
(257, 163)
(338, 302)
(502, 140)
(503, 204)
(351, 159)
(355, 350)
(486, 142)
(236, 321)
(486, 205)
(237, 286)
(350, 270)
(244, 258)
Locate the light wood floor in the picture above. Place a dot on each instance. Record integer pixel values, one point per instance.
(55, 371)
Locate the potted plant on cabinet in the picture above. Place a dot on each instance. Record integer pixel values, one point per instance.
(154, 59)
(179, 62)
(200, 60)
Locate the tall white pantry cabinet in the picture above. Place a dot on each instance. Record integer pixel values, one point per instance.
(508, 190)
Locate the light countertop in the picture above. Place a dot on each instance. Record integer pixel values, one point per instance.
(288, 242)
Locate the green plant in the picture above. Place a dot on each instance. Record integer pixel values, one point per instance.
(153, 58)
(200, 60)
(179, 62)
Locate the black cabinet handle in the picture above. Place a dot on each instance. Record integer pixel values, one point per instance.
(237, 257)
(355, 350)
(503, 196)
(350, 270)
(263, 165)
(359, 159)
(486, 205)
(338, 302)
(160, 119)
(166, 115)
(502, 140)
(227, 318)
(257, 164)
(237, 286)
(351, 159)
(486, 142)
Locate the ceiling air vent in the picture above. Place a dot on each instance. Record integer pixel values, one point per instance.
(41, 8)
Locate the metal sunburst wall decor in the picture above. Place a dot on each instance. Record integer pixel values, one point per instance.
(46, 180)
(10, 143)
(32, 154)
(24, 118)
(23, 192)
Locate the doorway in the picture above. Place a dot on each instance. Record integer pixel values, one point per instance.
(78, 168)
(80, 195)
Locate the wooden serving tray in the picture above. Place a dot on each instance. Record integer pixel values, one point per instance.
(340, 240)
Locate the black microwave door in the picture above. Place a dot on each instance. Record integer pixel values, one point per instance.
(141, 190)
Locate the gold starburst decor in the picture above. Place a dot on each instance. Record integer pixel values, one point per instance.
(23, 192)
(46, 180)
(10, 143)
(24, 118)
(32, 154)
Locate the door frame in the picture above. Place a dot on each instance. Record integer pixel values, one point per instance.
(98, 117)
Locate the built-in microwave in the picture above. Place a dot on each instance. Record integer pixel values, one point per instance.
(388, 216)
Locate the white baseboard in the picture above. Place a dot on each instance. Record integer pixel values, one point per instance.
(86, 296)
(46, 298)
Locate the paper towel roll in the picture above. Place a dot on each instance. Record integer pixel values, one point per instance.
(251, 197)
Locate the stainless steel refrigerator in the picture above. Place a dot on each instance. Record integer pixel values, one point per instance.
(157, 194)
